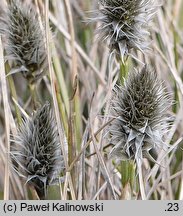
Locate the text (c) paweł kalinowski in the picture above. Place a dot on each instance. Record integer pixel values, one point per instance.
(61, 207)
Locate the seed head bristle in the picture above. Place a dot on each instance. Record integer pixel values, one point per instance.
(124, 24)
(25, 41)
(38, 151)
(140, 111)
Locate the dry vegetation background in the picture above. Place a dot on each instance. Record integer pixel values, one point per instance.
(76, 56)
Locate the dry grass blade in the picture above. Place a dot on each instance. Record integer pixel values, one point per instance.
(55, 102)
(87, 144)
(53, 81)
(112, 72)
(71, 28)
(79, 49)
(7, 122)
(103, 166)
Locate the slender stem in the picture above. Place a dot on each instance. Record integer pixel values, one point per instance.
(7, 123)
(127, 169)
(62, 137)
(34, 98)
(123, 71)
(71, 141)
(62, 85)
(13, 93)
(61, 107)
(141, 181)
(74, 73)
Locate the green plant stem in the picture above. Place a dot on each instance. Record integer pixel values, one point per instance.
(61, 107)
(34, 96)
(13, 93)
(71, 131)
(127, 169)
(176, 54)
(60, 77)
(123, 71)
(78, 119)
(71, 141)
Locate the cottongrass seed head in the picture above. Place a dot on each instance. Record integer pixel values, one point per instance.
(124, 24)
(141, 120)
(25, 41)
(37, 154)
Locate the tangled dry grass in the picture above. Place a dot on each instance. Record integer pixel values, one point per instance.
(78, 78)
